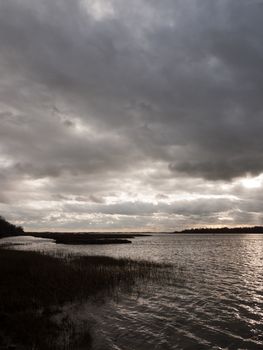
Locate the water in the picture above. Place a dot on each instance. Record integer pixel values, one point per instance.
(216, 304)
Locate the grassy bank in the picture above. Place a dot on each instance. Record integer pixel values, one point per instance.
(34, 288)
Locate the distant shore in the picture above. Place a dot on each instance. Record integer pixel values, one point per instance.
(232, 230)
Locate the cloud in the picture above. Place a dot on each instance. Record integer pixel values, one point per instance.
(130, 103)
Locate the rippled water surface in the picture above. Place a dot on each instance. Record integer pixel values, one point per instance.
(217, 303)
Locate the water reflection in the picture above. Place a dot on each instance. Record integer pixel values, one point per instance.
(219, 304)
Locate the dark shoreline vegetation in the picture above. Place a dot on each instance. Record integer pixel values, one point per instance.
(7, 229)
(35, 287)
(237, 230)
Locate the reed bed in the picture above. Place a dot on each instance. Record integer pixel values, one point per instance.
(34, 287)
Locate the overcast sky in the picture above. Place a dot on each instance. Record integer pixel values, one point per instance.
(131, 115)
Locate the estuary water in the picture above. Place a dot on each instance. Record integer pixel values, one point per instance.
(216, 302)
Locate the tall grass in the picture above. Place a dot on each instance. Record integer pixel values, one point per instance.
(34, 287)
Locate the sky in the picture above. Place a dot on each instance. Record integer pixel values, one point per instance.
(141, 115)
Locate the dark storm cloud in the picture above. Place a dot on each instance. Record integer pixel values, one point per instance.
(193, 74)
(101, 98)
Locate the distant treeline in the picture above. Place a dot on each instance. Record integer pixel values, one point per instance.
(7, 229)
(253, 229)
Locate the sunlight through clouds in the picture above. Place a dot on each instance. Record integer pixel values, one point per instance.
(252, 182)
(99, 9)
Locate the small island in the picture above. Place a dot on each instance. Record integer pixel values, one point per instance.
(76, 238)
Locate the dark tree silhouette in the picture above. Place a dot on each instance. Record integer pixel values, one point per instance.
(246, 229)
(7, 229)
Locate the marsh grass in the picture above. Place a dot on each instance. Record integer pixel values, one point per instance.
(34, 287)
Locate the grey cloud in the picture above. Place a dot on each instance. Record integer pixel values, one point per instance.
(196, 82)
(158, 96)
(198, 207)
